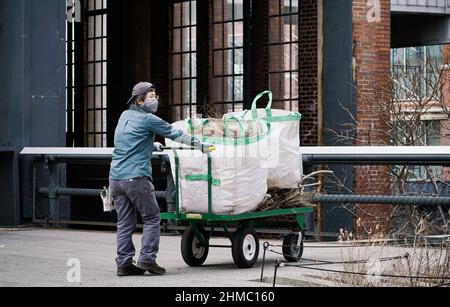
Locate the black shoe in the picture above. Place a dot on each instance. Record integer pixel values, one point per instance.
(152, 268)
(131, 270)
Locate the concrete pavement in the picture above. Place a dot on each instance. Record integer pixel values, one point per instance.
(40, 258)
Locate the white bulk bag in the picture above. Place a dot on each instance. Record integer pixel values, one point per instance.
(239, 182)
(285, 164)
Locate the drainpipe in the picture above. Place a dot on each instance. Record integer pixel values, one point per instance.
(320, 58)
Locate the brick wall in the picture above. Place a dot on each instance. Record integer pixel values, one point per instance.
(445, 127)
(372, 39)
(308, 79)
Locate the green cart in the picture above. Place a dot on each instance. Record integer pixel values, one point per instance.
(244, 241)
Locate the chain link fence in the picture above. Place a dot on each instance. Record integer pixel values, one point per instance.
(394, 200)
(415, 198)
(67, 191)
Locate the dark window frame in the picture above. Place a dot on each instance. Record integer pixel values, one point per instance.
(192, 52)
(71, 70)
(281, 72)
(91, 107)
(75, 114)
(244, 75)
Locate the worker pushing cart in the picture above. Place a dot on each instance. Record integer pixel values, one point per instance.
(131, 185)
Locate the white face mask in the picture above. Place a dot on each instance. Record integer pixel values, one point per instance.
(151, 105)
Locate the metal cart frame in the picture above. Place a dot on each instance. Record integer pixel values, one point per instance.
(244, 242)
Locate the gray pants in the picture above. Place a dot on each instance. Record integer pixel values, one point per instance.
(129, 196)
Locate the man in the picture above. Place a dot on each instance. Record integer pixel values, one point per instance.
(131, 184)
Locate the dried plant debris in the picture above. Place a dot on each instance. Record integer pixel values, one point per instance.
(213, 127)
(286, 199)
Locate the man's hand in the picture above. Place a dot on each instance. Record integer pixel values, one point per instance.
(158, 147)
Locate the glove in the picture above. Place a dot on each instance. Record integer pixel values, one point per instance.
(207, 148)
(158, 147)
(204, 148)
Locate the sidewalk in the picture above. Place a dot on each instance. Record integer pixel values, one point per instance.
(40, 257)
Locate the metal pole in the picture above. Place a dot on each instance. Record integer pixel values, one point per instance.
(382, 199)
(69, 192)
(277, 266)
(266, 247)
(83, 192)
(381, 159)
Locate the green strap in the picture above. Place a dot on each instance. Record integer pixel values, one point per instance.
(215, 182)
(190, 124)
(264, 124)
(244, 117)
(210, 185)
(177, 181)
(233, 142)
(269, 105)
(227, 125)
(285, 118)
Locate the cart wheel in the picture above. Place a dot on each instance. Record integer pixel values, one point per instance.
(245, 247)
(291, 251)
(193, 254)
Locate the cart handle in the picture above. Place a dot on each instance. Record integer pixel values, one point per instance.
(212, 148)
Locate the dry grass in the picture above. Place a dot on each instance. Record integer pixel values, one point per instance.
(424, 264)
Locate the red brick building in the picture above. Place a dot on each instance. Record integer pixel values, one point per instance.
(210, 57)
(207, 57)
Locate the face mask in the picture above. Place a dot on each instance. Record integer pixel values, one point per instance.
(150, 105)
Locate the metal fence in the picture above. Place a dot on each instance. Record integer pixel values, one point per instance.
(67, 191)
(381, 196)
(66, 187)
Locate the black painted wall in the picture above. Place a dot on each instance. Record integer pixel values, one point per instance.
(32, 71)
(410, 30)
(32, 79)
(338, 94)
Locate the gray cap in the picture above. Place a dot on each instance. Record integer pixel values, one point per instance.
(141, 88)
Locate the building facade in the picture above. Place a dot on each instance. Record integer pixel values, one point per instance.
(71, 67)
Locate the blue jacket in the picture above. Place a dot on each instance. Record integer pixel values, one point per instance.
(134, 143)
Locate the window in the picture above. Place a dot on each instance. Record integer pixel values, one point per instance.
(415, 71)
(70, 84)
(427, 133)
(284, 53)
(184, 60)
(95, 73)
(228, 56)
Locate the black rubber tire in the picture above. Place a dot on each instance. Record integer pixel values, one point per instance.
(239, 254)
(187, 248)
(291, 251)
